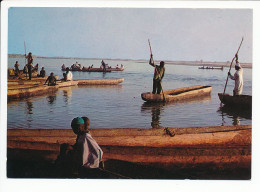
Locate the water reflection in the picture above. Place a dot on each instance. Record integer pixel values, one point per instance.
(29, 106)
(236, 114)
(156, 109)
(67, 94)
(51, 99)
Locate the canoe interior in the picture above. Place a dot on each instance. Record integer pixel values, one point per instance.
(176, 95)
(177, 92)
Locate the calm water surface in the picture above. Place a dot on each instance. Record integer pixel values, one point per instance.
(121, 106)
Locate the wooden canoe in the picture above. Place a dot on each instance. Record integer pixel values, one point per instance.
(175, 95)
(22, 88)
(239, 101)
(207, 67)
(215, 150)
(86, 69)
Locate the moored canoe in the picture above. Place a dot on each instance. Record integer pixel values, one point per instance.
(239, 101)
(175, 95)
(220, 147)
(23, 90)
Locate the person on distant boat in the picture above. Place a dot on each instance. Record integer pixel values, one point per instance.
(29, 64)
(117, 66)
(238, 78)
(42, 73)
(158, 75)
(104, 66)
(122, 66)
(16, 68)
(51, 80)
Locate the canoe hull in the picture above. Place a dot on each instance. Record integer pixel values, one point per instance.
(19, 90)
(240, 101)
(211, 148)
(96, 69)
(176, 95)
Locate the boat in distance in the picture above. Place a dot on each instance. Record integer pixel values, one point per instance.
(207, 67)
(242, 101)
(175, 95)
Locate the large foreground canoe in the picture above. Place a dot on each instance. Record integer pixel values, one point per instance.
(24, 88)
(239, 101)
(201, 152)
(175, 95)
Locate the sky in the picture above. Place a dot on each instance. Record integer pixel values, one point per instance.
(176, 34)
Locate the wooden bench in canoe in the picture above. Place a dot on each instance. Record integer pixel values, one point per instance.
(175, 95)
(218, 150)
(23, 88)
(239, 101)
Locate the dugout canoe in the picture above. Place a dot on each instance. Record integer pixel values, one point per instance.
(238, 101)
(86, 69)
(175, 95)
(207, 67)
(24, 88)
(219, 149)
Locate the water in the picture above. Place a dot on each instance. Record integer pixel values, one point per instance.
(121, 106)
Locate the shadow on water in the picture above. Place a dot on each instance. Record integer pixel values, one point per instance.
(235, 113)
(156, 109)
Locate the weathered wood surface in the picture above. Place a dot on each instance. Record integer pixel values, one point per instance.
(222, 147)
(23, 88)
(175, 95)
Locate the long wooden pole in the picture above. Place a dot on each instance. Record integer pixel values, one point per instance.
(231, 66)
(25, 58)
(156, 70)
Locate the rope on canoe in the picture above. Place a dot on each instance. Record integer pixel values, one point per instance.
(168, 132)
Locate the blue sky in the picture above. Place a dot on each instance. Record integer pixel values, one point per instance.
(175, 34)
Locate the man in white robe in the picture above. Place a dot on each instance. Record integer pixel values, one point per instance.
(238, 78)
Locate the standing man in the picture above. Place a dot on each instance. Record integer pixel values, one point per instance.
(158, 75)
(238, 78)
(29, 64)
(104, 66)
(16, 68)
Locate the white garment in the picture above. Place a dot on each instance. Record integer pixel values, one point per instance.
(91, 152)
(69, 76)
(238, 77)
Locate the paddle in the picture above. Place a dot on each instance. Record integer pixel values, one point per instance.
(231, 66)
(156, 69)
(25, 58)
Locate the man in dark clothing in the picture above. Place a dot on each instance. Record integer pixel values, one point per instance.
(104, 66)
(16, 68)
(51, 80)
(158, 75)
(42, 73)
(29, 64)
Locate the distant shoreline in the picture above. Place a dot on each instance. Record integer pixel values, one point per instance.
(190, 63)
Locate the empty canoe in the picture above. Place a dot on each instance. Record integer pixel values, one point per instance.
(175, 95)
(243, 101)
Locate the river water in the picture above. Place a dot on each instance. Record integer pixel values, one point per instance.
(121, 106)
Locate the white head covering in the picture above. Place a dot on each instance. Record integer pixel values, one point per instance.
(238, 64)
